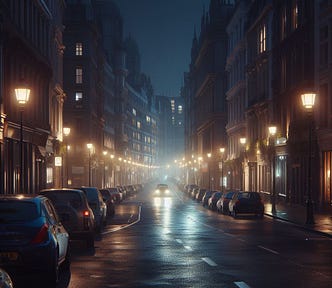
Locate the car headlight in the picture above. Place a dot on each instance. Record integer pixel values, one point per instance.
(167, 191)
(157, 191)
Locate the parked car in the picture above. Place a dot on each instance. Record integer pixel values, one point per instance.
(222, 203)
(5, 280)
(117, 195)
(74, 212)
(162, 190)
(206, 197)
(32, 237)
(108, 199)
(246, 203)
(98, 206)
(200, 194)
(212, 202)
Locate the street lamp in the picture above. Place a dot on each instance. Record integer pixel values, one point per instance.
(104, 184)
(308, 102)
(222, 151)
(22, 96)
(113, 172)
(209, 157)
(66, 132)
(272, 133)
(89, 146)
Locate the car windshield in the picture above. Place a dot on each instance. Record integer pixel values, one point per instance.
(17, 211)
(162, 186)
(60, 197)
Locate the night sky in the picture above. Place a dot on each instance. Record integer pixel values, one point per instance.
(164, 31)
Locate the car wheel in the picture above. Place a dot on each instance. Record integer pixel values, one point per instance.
(90, 242)
(66, 263)
(261, 215)
(54, 271)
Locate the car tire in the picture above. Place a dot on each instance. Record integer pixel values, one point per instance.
(54, 271)
(90, 242)
(66, 263)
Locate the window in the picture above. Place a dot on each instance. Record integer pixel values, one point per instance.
(262, 39)
(138, 125)
(173, 105)
(283, 24)
(295, 16)
(180, 109)
(134, 111)
(148, 119)
(79, 75)
(79, 49)
(78, 96)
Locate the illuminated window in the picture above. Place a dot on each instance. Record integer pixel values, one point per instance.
(173, 106)
(134, 111)
(78, 96)
(295, 16)
(49, 175)
(79, 75)
(148, 119)
(79, 49)
(180, 109)
(262, 39)
(138, 125)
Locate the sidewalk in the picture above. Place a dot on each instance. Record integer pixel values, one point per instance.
(297, 214)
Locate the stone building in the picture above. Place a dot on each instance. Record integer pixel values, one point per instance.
(31, 52)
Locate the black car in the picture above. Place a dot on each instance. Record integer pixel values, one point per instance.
(246, 203)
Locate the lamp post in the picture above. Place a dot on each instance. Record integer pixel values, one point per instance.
(104, 180)
(209, 157)
(272, 133)
(243, 142)
(222, 151)
(113, 172)
(22, 96)
(308, 102)
(66, 132)
(89, 146)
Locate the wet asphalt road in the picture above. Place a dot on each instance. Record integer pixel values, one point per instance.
(175, 242)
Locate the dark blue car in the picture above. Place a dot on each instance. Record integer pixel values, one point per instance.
(32, 237)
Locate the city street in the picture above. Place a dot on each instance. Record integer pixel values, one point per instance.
(175, 242)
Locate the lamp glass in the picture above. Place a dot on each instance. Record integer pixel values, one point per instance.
(243, 140)
(308, 100)
(66, 131)
(272, 130)
(22, 95)
(89, 145)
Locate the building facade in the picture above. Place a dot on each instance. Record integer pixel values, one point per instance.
(31, 53)
(206, 94)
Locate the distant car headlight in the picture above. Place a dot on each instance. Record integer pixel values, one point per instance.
(167, 191)
(157, 191)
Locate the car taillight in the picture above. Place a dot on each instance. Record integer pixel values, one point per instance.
(86, 214)
(41, 236)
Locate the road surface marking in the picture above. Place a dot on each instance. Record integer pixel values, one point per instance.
(188, 248)
(209, 261)
(267, 249)
(241, 284)
(125, 226)
(179, 241)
